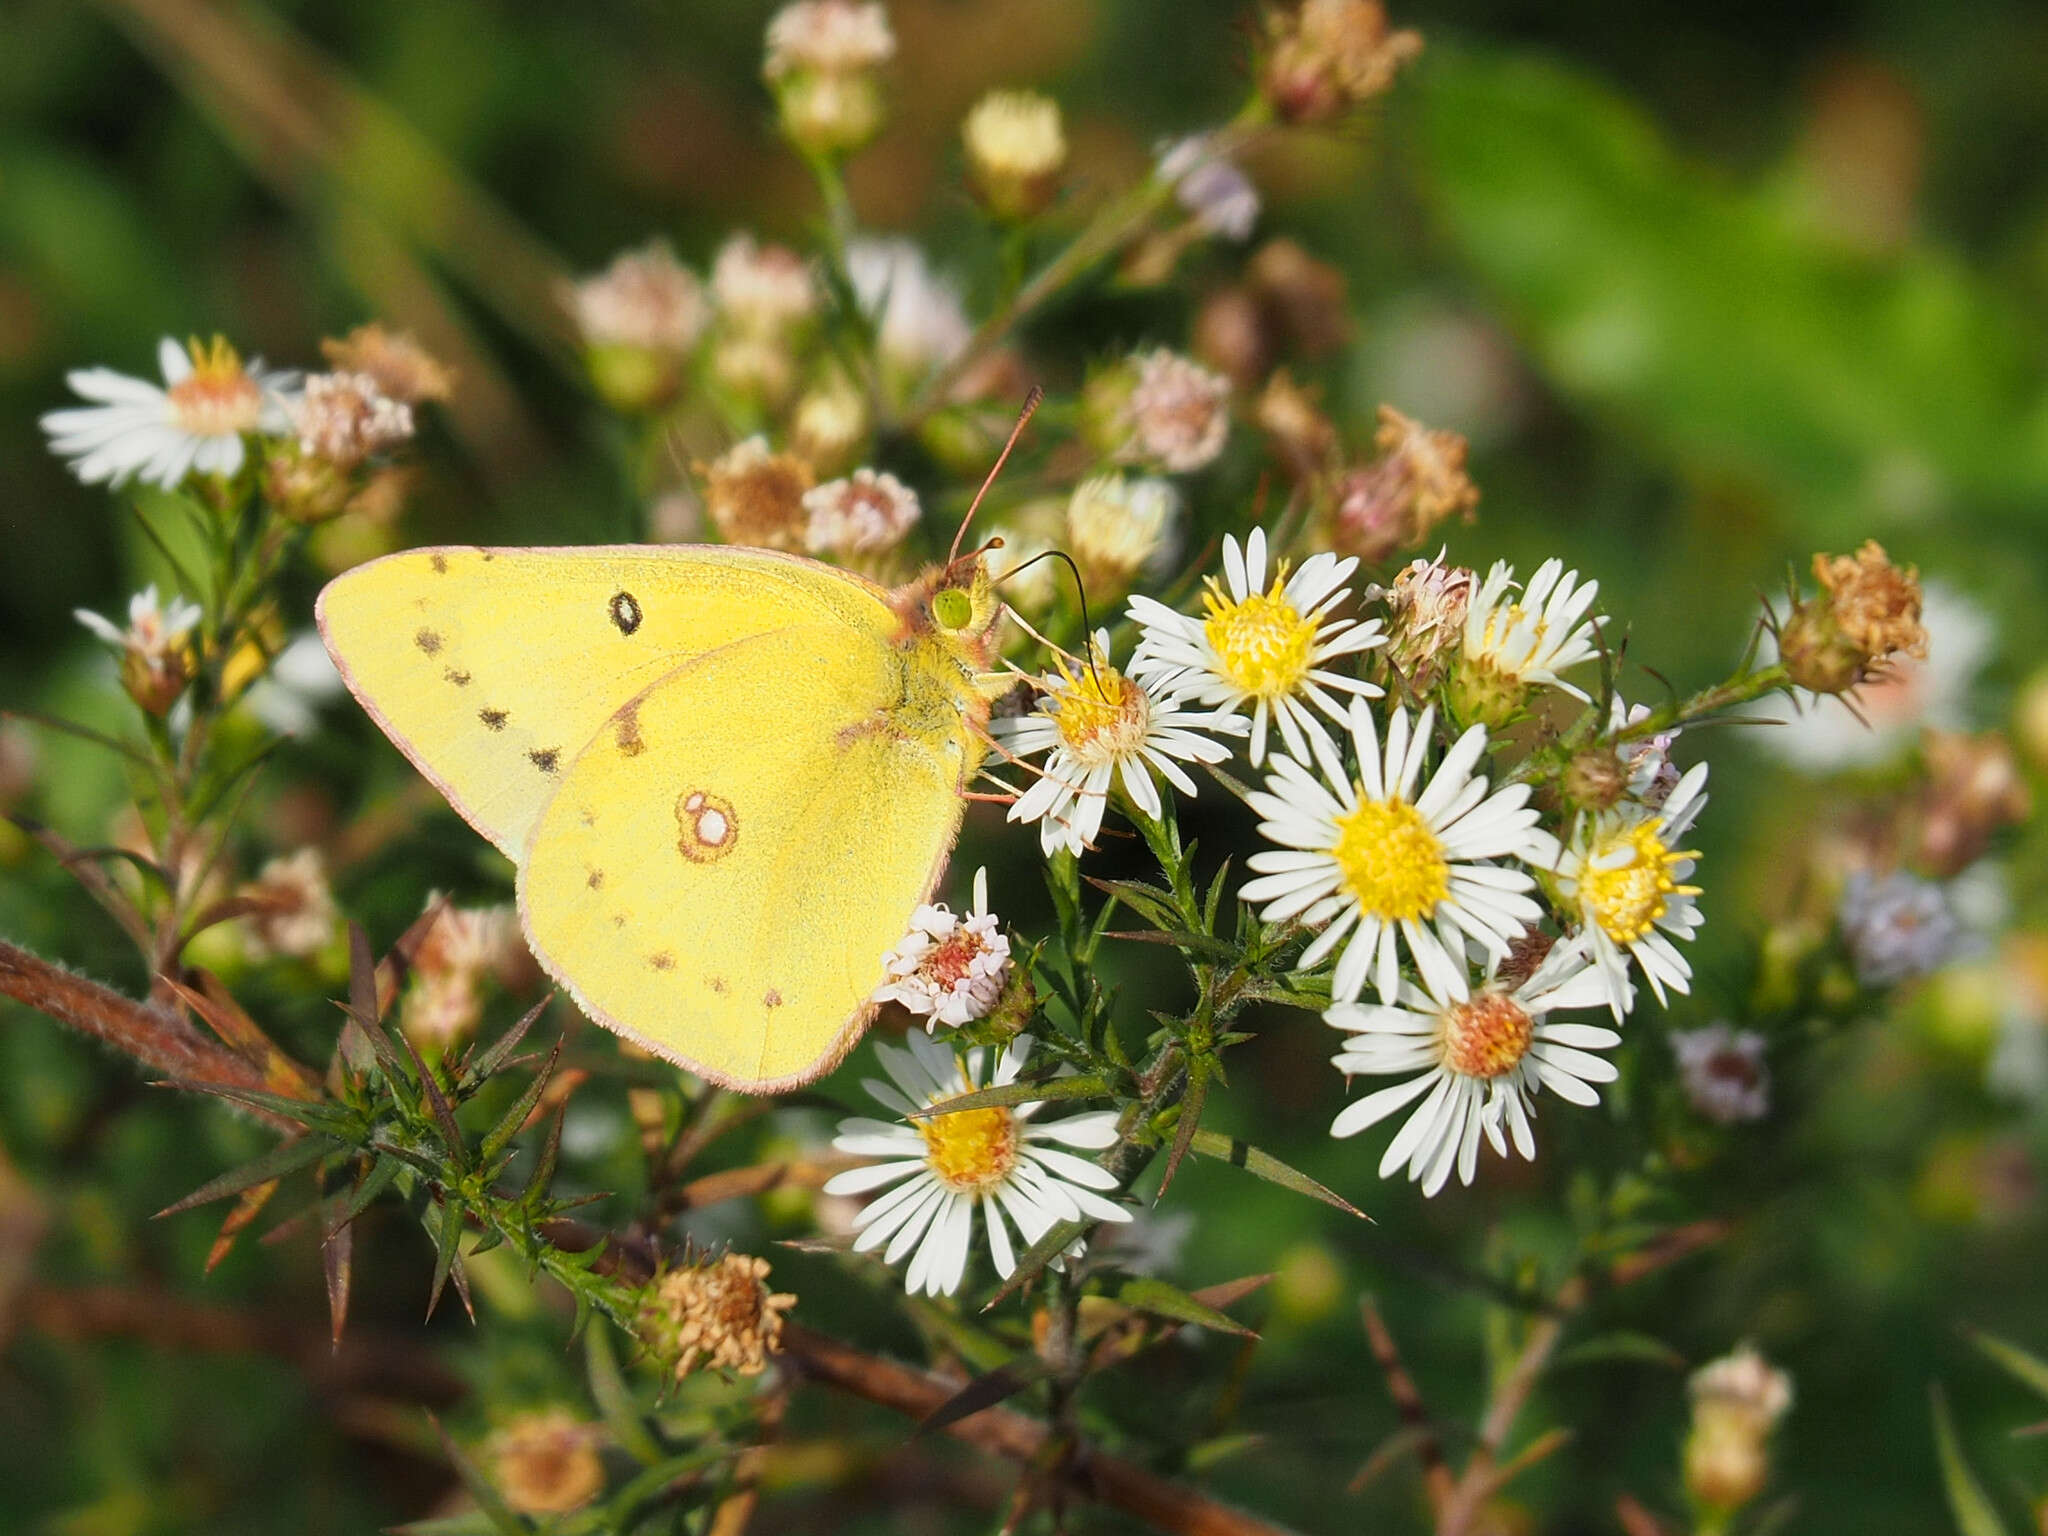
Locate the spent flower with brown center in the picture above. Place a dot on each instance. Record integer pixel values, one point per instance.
(1974, 789)
(867, 513)
(715, 1315)
(545, 1462)
(342, 418)
(1395, 502)
(462, 949)
(756, 496)
(1867, 612)
(1426, 609)
(404, 370)
(1327, 57)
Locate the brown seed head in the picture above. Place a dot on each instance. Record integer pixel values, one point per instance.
(404, 370)
(546, 1462)
(756, 496)
(718, 1315)
(1330, 56)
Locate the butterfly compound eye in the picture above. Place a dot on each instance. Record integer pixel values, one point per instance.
(952, 608)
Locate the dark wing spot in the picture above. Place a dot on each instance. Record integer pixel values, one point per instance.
(487, 554)
(630, 742)
(546, 759)
(427, 641)
(439, 563)
(459, 678)
(625, 610)
(618, 919)
(596, 880)
(493, 719)
(771, 998)
(663, 961)
(716, 984)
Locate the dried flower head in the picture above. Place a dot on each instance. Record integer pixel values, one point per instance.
(762, 290)
(756, 496)
(545, 1462)
(1974, 788)
(1303, 297)
(1723, 1072)
(295, 912)
(1016, 146)
(1301, 433)
(1426, 608)
(463, 948)
(1395, 502)
(1177, 415)
(1328, 57)
(645, 299)
(404, 370)
(1736, 1403)
(1867, 612)
(1117, 527)
(949, 969)
(343, 418)
(716, 1315)
(868, 512)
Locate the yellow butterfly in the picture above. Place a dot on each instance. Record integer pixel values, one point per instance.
(727, 776)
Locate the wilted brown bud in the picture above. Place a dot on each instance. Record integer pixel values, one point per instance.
(403, 369)
(1394, 502)
(718, 1315)
(1974, 787)
(1868, 611)
(1526, 954)
(1426, 608)
(1303, 297)
(1302, 436)
(1231, 336)
(1329, 56)
(756, 496)
(1596, 778)
(302, 488)
(546, 1462)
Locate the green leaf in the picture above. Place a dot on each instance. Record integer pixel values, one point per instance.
(1031, 1263)
(486, 1066)
(1157, 907)
(1161, 1299)
(1859, 387)
(2028, 1369)
(1087, 1086)
(447, 1236)
(1268, 1167)
(1622, 1345)
(500, 1135)
(1967, 1500)
(333, 1119)
(985, 1391)
(614, 1398)
(1190, 1117)
(383, 1173)
(286, 1157)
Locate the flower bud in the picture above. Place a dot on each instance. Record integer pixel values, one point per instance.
(1426, 608)
(1596, 778)
(1116, 527)
(1736, 1402)
(1016, 148)
(1868, 610)
(640, 319)
(1329, 56)
(822, 64)
(830, 424)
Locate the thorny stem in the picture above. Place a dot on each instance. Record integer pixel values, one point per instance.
(1750, 684)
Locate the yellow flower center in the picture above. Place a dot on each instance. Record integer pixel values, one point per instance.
(1391, 861)
(1262, 643)
(970, 1149)
(1486, 1036)
(1102, 715)
(217, 398)
(1627, 896)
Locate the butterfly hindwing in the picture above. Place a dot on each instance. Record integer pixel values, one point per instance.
(726, 862)
(491, 668)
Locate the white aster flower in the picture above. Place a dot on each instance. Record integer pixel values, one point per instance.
(1477, 1062)
(195, 421)
(1622, 875)
(1646, 760)
(866, 513)
(1515, 643)
(949, 969)
(1380, 863)
(1099, 725)
(945, 1166)
(1820, 734)
(1262, 648)
(154, 632)
(920, 322)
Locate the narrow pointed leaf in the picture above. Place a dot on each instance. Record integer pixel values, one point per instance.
(245, 1210)
(1967, 1501)
(2028, 1369)
(383, 1173)
(480, 1488)
(286, 1157)
(1268, 1167)
(1622, 1345)
(614, 1398)
(1176, 938)
(362, 979)
(334, 1119)
(1161, 1299)
(337, 1260)
(493, 1060)
(447, 1236)
(985, 1391)
(500, 1135)
(393, 969)
(1089, 1086)
(437, 1102)
(1157, 907)
(550, 1152)
(1032, 1261)
(82, 868)
(231, 1022)
(133, 753)
(1185, 1128)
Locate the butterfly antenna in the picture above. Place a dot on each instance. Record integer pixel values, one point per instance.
(1081, 590)
(1030, 404)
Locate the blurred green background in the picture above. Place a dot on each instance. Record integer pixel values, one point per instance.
(1709, 287)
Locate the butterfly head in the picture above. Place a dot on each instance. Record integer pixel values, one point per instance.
(955, 607)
